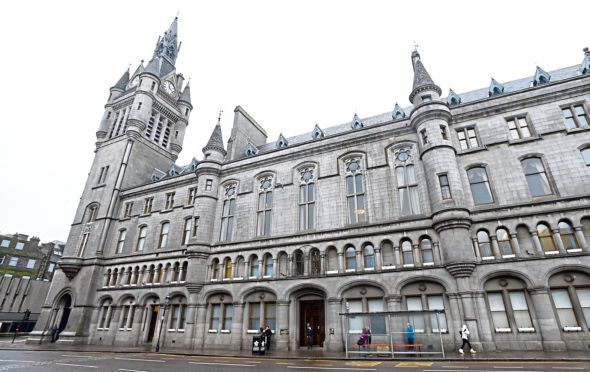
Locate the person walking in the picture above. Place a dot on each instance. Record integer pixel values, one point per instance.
(410, 337)
(268, 334)
(54, 333)
(465, 337)
(309, 335)
(365, 340)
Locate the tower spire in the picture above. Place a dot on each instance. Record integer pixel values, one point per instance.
(216, 140)
(422, 80)
(167, 46)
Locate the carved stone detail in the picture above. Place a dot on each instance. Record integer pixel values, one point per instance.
(460, 269)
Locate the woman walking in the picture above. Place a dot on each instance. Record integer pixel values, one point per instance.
(465, 337)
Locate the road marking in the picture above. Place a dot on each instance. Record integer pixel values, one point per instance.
(462, 370)
(130, 370)
(75, 365)
(23, 361)
(414, 364)
(337, 368)
(509, 367)
(142, 360)
(363, 364)
(248, 361)
(455, 366)
(285, 363)
(567, 367)
(77, 356)
(224, 364)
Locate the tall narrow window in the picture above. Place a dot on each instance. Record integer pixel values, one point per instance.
(307, 206)
(519, 127)
(435, 302)
(227, 316)
(158, 132)
(195, 226)
(83, 244)
(443, 132)
(504, 242)
(565, 310)
(192, 192)
(186, 231)
(369, 256)
(536, 177)
(568, 237)
(227, 219)
(174, 315)
(150, 126)
(426, 250)
(424, 136)
(176, 272)
(498, 310)
(483, 242)
(264, 214)
(215, 270)
(182, 320)
(480, 186)
(355, 193)
(299, 263)
(228, 269)
(121, 241)
(445, 189)
(586, 156)
(254, 316)
(215, 313)
(467, 138)
(268, 266)
(270, 315)
(105, 317)
(147, 208)
(184, 271)
(254, 266)
(141, 239)
(169, 201)
(575, 116)
(164, 235)
(166, 136)
(92, 210)
(208, 185)
(407, 254)
(128, 209)
(546, 238)
(520, 309)
(350, 258)
(407, 186)
(414, 303)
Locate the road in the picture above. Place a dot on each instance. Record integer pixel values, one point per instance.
(59, 361)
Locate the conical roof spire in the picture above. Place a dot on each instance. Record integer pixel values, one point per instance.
(167, 46)
(422, 80)
(186, 94)
(216, 140)
(123, 81)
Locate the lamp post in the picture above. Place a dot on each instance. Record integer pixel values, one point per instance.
(162, 322)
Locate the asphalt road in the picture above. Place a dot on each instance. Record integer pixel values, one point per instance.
(59, 361)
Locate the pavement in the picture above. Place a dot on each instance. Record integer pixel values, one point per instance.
(316, 354)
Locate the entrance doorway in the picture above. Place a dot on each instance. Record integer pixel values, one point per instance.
(153, 322)
(65, 306)
(312, 313)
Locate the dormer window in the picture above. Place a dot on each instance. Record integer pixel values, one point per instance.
(426, 98)
(317, 132)
(207, 156)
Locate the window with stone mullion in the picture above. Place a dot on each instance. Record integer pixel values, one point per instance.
(407, 185)
(264, 214)
(575, 116)
(307, 206)
(355, 198)
(227, 219)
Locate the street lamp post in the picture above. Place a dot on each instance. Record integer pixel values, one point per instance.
(162, 322)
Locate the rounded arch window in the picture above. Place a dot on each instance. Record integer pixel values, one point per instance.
(426, 250)
(254, 266)
(483, 242)
(228, 269)
(350, 258)
(508, 305)
(268, 266)
(299, 263)
(407, 254)
(421, 296)
(568, 238)
(369, 256)
(546, 237)
(366, 299)
(315, 262)
(504, 242)
(570, 291)
(215, 269)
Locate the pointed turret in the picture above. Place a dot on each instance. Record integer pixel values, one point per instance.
(422, 83)
(123, 81)
(215, 145)
(541, 77)
(167, 46)
(186, 95)
(153, 67)
(586, 61)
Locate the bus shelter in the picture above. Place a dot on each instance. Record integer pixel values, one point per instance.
(389, 333)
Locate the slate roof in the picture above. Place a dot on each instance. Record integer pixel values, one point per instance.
(174, 171)
(186, 95)
(216, 140)
(122, 83)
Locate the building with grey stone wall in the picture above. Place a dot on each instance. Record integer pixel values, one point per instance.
(476, 204)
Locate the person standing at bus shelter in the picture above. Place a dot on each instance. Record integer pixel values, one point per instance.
(410, 337)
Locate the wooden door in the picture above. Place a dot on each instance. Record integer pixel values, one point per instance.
(153, 322)
(312, 313)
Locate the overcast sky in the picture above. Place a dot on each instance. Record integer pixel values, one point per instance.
(289, 64)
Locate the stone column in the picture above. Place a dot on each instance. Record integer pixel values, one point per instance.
(417, 255)
(537, 243)
(334, 321)
(282, 338)
(237, 329)
(581, 238)
(476, 249)
(545, 316)
(341, 262)
(437, 256)
(260, 269)
(322, 264)
(305, 264)
(137, 323)
(397, 324)
(495, 247)
(359, 260)
(558, 241)
(515, 245)
(275, 268)
(200, 326)
(246, 269)
(191, 315)
(485, 332)
(378, 260)
(456, 316)
(398, 258)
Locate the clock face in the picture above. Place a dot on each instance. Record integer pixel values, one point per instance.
(134, 82)
(169, 87)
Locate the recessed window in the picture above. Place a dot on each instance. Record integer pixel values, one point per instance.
(147, 208)
(504, 242)
(254, 266)
(5, 243)
(355, 198)
(536, 177)
(169, 201)
(13, 261)
(141, 239)
(568, 237)
(426, 250)
(208, 185)
(480, 186)
(186, 231)
(350, 258)
(207, 156)
(445, 189)
(483, 243)
(177, 317)
(264, 213)
(407, 253)
(427, 98)
(227, 219)
(121, 241)
(103, 175)
(128, 209)
(139, 105)
(586, 156)
(424, 136)
(467, 138)
(369, 256)
(91, 213)
(575, 116)
(164, 235)
(407, 186)
(519, 127)
(307, 206)
(443, 132)
(546, 238)
(153, 85)
(228, 269)
(51, 267)
(268, 266)
(19, 246)
(83, 244)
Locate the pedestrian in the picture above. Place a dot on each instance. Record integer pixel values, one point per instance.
(365, 340)
(464, 332)
(268, 334)
(262, 337)
(309, 335)
(54, 332)
(410, 337)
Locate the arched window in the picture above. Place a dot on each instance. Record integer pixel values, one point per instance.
(567, 236)
(184, 270)
(227, 214)
(115, 277)
(228, 268)
(299, 263)
(505, 294)
(420, 296)
(264, 211)
(480, 186)
(91, 213)
(546, 238)
(159, 274)
(215, 269)
(504, 242)
(135, 275)
(307, 200)
(106, 315)
(314, 262)
(571, 297)
(407, 254)
(350, 258)
(127, 314)
(268, 266)
(369, 256)
(186, 233)
(254, 266)
(355, 193)
(176, 274)
(152, 273)
(332, 260)
(141, 239)
(407, 186)
(483, 243)
(426, 250)
(536, 177)
(586, 156)
(164, 235)
(129, 273)
(107, 278)
(120, 241)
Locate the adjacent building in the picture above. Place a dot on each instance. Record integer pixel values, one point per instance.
(476, 204)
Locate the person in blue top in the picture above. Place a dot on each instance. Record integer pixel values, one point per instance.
(410, 337)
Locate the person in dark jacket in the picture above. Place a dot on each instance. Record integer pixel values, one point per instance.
(309, 335)
(54, 333)
(268, 335)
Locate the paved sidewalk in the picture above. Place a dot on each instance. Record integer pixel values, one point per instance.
(318, 354)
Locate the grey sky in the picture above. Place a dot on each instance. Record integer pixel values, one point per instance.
(290, 64)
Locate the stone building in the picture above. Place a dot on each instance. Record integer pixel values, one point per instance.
(477, 204)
